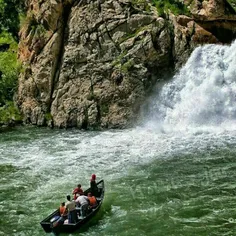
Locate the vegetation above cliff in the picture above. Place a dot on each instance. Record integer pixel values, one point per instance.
(175, 6)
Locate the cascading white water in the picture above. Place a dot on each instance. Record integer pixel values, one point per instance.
(177, 183)
(202, 94)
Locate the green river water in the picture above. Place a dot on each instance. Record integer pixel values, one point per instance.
(156, 183)
(174, 176)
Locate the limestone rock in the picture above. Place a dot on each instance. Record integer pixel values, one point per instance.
(210, 10)
(91, 64)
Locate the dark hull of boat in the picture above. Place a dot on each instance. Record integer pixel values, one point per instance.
(69, 228)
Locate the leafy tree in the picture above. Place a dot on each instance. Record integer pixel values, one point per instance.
(10, 11)
(9, 68)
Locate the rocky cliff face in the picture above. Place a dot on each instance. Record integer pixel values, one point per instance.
(91, 64)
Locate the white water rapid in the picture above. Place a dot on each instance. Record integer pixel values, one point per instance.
(202, 95)
(173, 176)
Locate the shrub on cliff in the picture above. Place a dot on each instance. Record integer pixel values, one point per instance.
(175, 6)
(9, 114)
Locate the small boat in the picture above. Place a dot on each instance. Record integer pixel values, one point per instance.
(48, 222)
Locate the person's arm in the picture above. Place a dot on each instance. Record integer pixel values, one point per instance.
(75, 191)
(77, 203)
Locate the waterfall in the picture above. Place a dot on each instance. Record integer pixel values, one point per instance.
(202, 94)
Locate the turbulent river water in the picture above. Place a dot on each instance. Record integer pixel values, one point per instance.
(174, 175)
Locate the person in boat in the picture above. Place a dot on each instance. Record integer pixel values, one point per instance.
(92, 200)
(93, 186)
(62, 209)
(77, 191)
(70, 208)
(59, 220)
(63, 216)
(83, 202)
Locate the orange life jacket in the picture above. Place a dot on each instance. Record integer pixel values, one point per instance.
(62, 209)
(92, 200)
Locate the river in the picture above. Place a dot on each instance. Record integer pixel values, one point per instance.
(173, 175)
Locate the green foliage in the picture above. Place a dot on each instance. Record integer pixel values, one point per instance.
(48, 117)
(9, 16)
(128, 65)
(91, 96)
(9, 113)
(9, 68)
(104, 109)
(39, 31)
(118, 60)
(233, 3)
(10, 10)
(175, 6)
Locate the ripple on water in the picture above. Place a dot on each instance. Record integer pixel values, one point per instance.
(156, 183)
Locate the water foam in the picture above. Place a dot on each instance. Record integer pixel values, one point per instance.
(202, 94)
